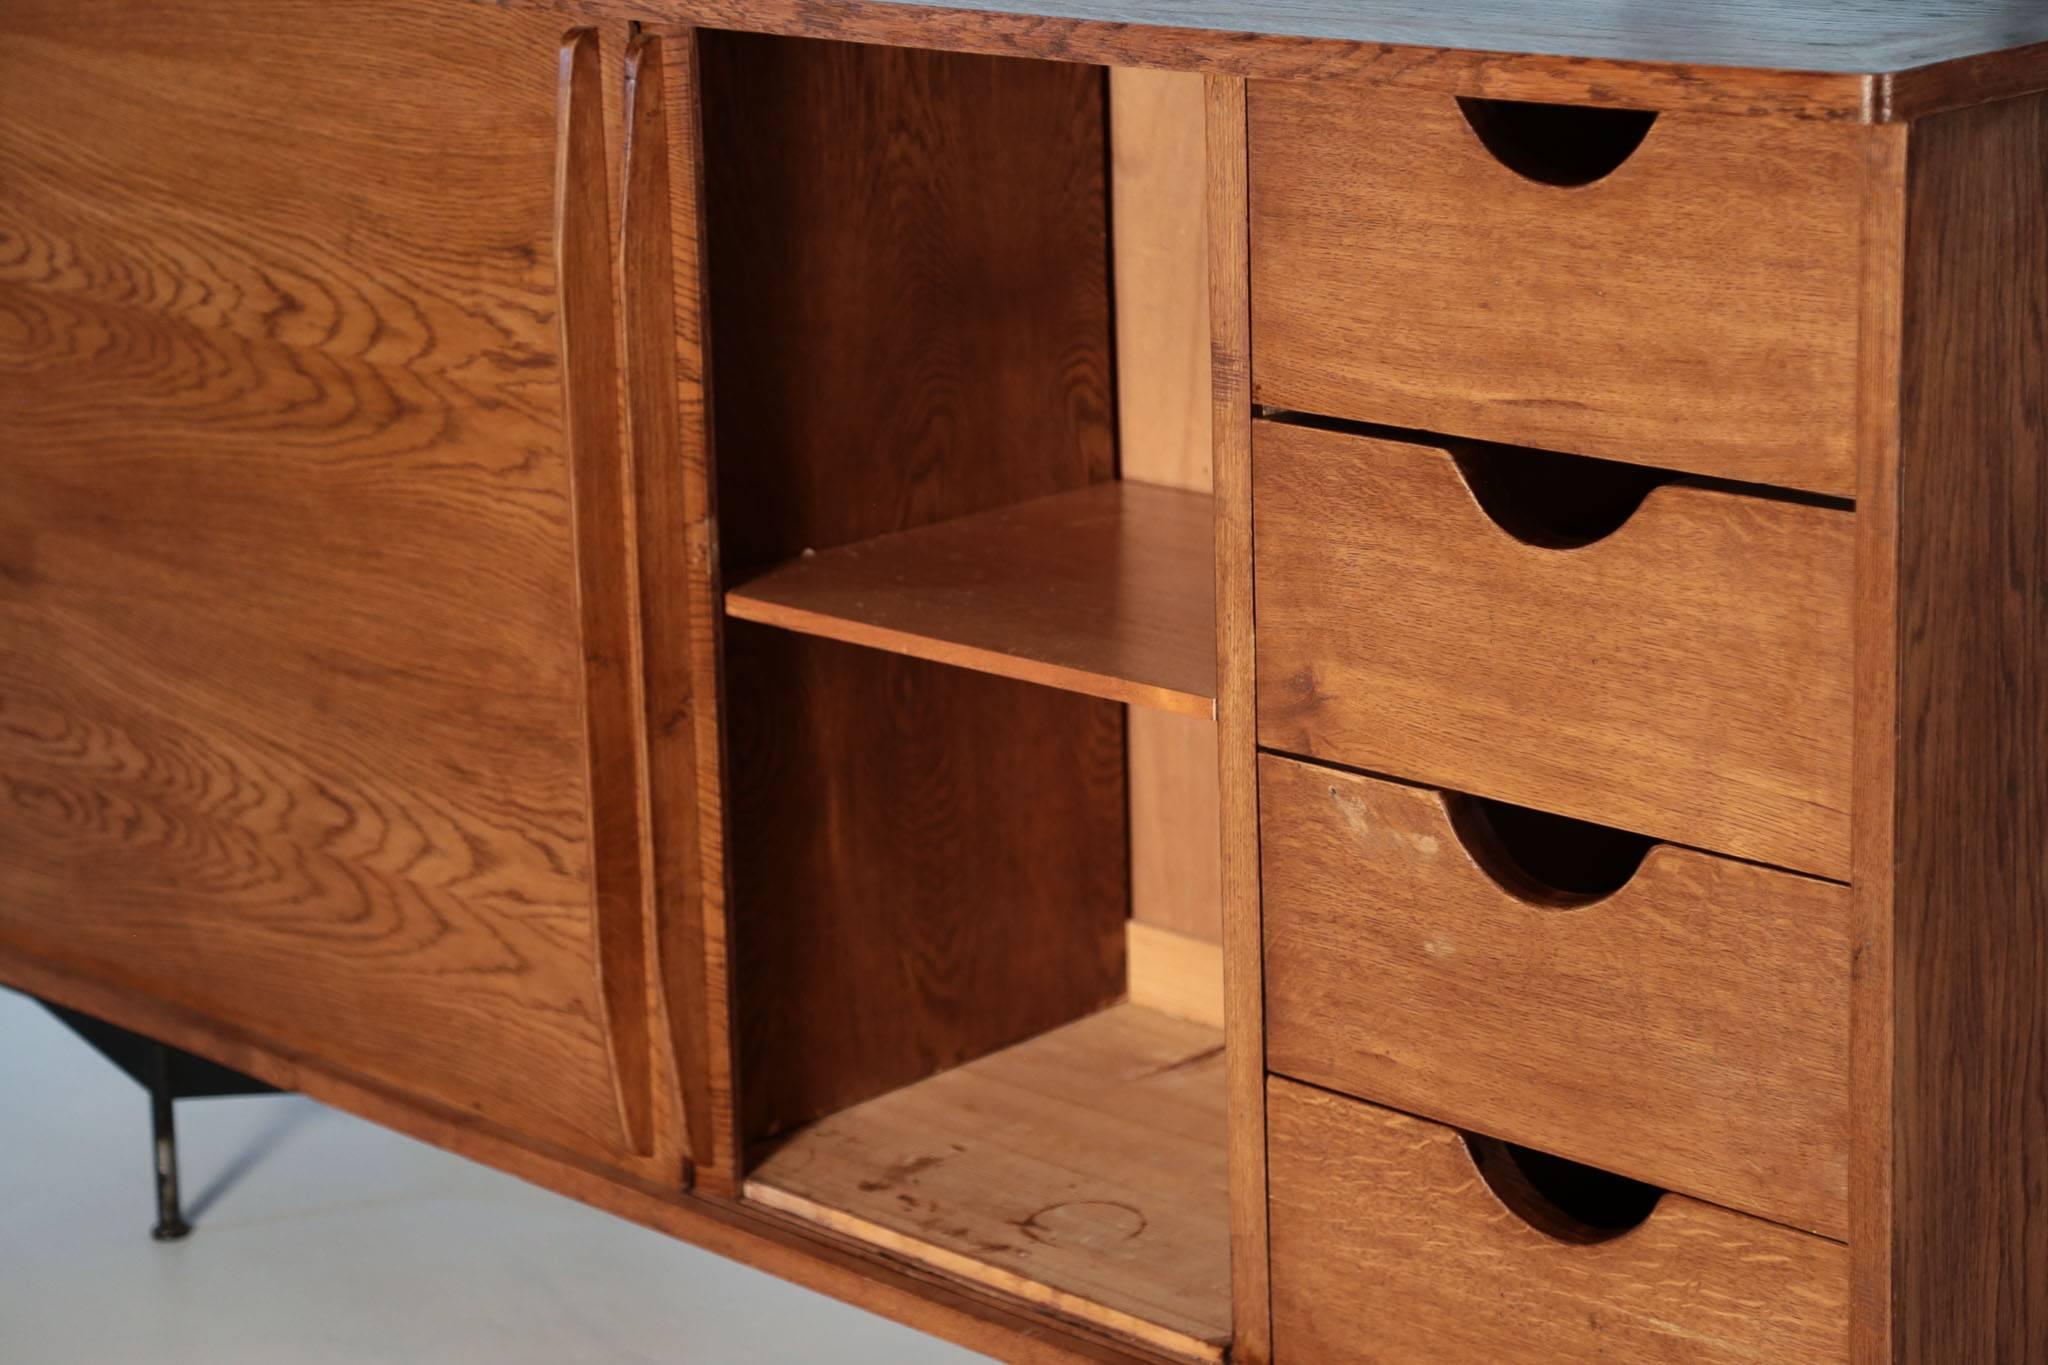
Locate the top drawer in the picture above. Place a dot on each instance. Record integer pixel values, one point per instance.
(1694, 308)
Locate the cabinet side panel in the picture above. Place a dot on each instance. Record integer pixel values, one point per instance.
(1970, 1163)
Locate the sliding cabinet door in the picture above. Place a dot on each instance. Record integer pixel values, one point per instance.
(321, 683)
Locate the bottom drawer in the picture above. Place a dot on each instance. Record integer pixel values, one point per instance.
(1396, 1240)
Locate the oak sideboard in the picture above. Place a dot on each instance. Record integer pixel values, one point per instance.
(1135, 680)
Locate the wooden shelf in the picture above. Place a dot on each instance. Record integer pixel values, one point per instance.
(1083, 1171)
(1108, 591)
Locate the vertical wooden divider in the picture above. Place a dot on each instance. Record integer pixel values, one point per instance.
(1237, 716)
(605, 587)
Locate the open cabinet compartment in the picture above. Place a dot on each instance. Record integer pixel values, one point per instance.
(939, 602)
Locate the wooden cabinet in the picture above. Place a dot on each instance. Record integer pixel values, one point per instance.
(1369, 685)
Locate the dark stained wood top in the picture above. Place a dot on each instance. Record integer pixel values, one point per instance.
(1857, 37)
(1845, 60)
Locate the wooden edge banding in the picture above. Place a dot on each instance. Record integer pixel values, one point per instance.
(606, 592)
(829, 1265)
(960, 1266)
(741, 605)
(681, 487)
(1174, 973)
(1876, 743)
(1942, 87)
(646, 250)
(1237, 715)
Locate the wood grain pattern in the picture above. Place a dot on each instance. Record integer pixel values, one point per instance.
(291, 698)
(1388, 1245)
(1858, 63)
(1690, 1030)
(1107, 591)
(1083, 1170)
(1696, 309)
(802, 1254)
(1969, 877)
(1686, 677)
(1159, 207)
(910, 309)
(607, 592)
(909, 297)
(1237, 718)
(906, 900)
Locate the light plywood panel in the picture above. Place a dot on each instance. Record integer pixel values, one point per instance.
(1158, 189)
(1176, 864)
(1083, 1170)
(1174, 973)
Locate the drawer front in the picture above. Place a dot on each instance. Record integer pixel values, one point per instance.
(1690, 1029)
(1390, 1246)
(1695, 308)
(1685, 677)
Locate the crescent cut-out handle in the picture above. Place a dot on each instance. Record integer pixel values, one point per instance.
(1561, 1199)
(1565, 145)
(1551, 500)
(1550, 861)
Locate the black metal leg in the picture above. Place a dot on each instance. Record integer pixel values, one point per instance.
(170, 1217)
(168, 1074)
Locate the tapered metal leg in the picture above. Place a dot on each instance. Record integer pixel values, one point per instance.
(170, 1217)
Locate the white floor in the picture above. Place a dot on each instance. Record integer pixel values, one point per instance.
(322, 1238)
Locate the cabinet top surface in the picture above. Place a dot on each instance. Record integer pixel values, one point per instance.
(1856, 37)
